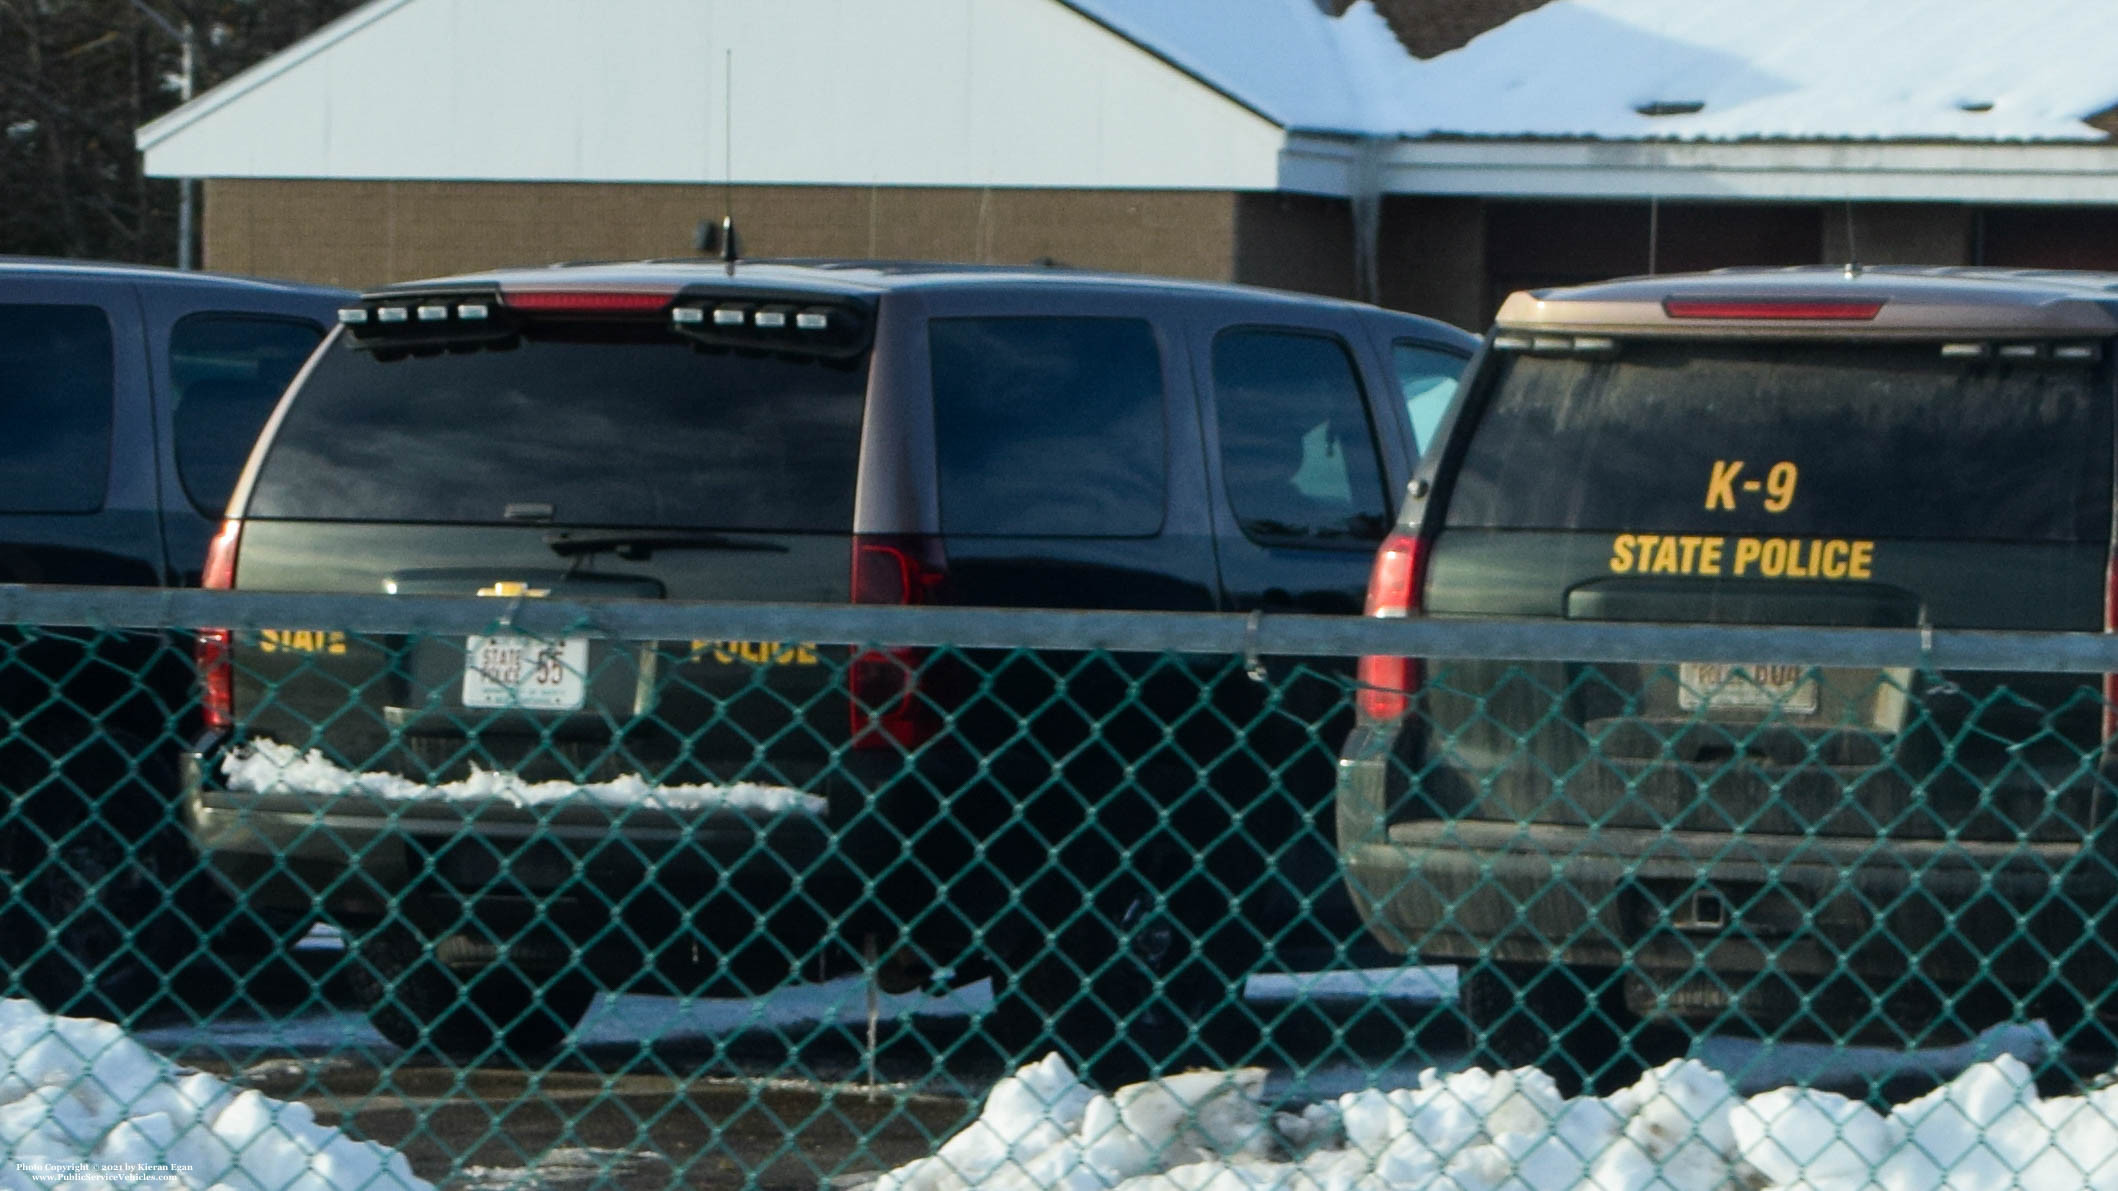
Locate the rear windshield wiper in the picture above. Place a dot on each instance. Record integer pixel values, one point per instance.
(642, 543)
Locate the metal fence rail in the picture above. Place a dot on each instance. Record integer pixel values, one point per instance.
(878, 858)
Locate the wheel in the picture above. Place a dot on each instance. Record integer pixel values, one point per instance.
(419, 1000)
(95, 920)
(1572, 1023)
(1145, 979)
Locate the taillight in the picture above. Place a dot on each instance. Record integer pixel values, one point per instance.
(887, 709)
(1387, 683)
(212, 651)
(585, 301)
(2110, 625)
(1826, 309)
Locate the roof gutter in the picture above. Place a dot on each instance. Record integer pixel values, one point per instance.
(1879, 171)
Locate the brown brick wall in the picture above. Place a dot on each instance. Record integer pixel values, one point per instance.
(2047, 237)
(1433, 258)
(1532, 245)
(366, 233)
(1295, 241)
(1898, 233)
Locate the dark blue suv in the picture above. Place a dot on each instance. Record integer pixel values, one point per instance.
(129, 398)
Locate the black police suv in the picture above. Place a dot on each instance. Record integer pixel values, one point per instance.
(837, 433)
(1858, 853)
(129, 398)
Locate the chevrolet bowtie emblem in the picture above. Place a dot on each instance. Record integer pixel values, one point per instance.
(509, 587)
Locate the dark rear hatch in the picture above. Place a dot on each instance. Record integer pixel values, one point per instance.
(568, 455)
(1802, 482)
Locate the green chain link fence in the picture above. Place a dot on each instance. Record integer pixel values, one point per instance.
(413, 863)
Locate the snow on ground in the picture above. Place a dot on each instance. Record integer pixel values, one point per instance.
(269, 767)
(85, 1107)
(1682, 1127)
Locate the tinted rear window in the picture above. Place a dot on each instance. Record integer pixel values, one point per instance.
(56, 390)
(1049, 426)
(610, 426)
(1885, 441)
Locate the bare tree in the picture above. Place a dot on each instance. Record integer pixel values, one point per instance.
(78, 76)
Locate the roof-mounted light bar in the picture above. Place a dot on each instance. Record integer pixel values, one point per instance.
(1775, 309)
(2023, 353)
(1557, 345)
(764, 322)
(387, 322)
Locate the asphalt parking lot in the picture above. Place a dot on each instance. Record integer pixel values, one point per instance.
(802, 1090)
(785, 1092)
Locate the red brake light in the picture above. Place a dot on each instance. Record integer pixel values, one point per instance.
(211, 650)
(887, 708)
(2110, 625)
(1387, 684)
(1850, 310)
(586, 302)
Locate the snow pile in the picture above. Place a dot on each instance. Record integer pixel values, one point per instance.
(1043, 1127)
(84, 1107)
(269, 767)
(1680, 1128)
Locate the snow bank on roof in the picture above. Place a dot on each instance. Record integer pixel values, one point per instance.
(1951, 70)
(1680, 1128)
(269, 767)
(1960, 70)
(84, 1107)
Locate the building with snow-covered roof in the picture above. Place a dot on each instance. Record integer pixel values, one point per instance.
(1299, 143)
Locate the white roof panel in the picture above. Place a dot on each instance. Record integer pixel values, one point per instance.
(837, 92)
(1212, 94)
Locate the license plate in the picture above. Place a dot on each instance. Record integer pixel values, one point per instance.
(1729, 686)
(509, 670)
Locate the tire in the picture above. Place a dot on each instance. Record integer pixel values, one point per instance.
(99, 881)
(421, 1002)
(1572, 1023)
(1145, 980)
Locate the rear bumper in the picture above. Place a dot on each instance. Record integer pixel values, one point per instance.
(1710, 921)
(688, 881)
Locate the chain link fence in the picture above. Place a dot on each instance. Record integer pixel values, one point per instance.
(948, 889)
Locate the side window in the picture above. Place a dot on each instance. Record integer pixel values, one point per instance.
(228, 371)
(1049, 426)
(57, 386)
(1427, 378)
(1298, 452)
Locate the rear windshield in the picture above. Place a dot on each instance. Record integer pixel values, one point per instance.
(1888, 441)
(608, 426)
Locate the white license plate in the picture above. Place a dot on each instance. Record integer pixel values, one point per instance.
(509, 670)
(1729, 686)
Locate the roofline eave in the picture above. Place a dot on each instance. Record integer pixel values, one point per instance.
(170, 123)
(2048, 173)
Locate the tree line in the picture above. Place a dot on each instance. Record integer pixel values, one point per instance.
(77, 77)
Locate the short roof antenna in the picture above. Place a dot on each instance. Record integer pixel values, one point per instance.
(1654, 231)
(729, 251)
(720, 238)
(1853, 252)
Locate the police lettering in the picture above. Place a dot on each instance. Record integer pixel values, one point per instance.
(1764, 558)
